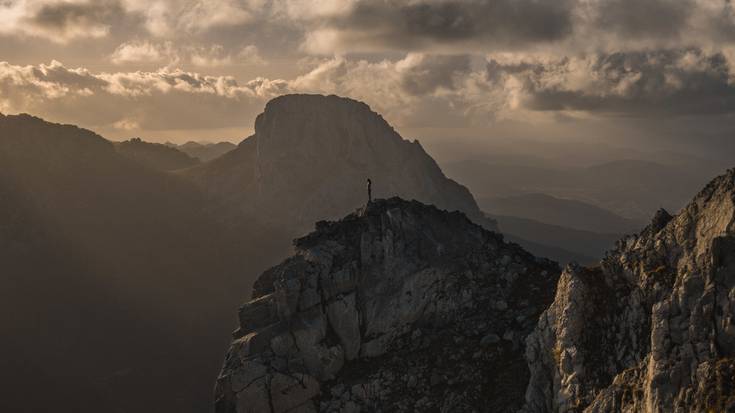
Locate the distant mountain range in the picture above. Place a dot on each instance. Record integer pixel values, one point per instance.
(112, 273)
(204, 151)
(155, 155)
(632, 189)
(568, 213)
(557, 242)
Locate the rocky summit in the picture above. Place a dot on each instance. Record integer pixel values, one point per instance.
(310, 158)
(398, 307)
(404, 307)
(652, 329)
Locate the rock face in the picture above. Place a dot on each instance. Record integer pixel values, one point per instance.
(309, 160)
(653, 328)
(398, 307)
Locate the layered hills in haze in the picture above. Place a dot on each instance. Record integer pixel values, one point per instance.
(112, 272)
(633, 189)
(204, 151)
(567, 213)
(155, 155)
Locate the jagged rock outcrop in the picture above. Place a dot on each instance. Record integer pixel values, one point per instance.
(309, 160)
(398, 307)
(653, 328)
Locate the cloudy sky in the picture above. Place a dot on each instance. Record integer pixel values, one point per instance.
(196, 69)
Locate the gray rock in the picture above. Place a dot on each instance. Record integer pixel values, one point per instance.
(382, 289)
(651, 329)
(345, 322)
(491, 338)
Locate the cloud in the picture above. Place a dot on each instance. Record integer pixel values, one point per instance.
(251, 55)
(218, 56)
(564, 27)
(640, 84)
(144, 52)
(169, 18)
(163, 99)
(59, 21)
(420, 25)
(644, 19)
(421, 89)
(418, 90)
(214, 55)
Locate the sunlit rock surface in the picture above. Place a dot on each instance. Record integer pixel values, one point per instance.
(652, 329)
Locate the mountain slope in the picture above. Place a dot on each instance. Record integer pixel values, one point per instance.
(155, 155)
(398, 307)
(204, 151)
(310, 158)
(91, 245)
(629, 188)
(589, 247)
(653, 328)
(562, 212)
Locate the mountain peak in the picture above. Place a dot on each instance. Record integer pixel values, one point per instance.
(301, 101)
(309, 160)
(396, 294)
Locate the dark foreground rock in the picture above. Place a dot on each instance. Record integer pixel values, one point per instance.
(653, 328)
(398, 307)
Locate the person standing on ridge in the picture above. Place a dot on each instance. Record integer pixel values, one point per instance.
(370, 191)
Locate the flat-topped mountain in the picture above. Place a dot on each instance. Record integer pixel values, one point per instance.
(309, 160)
(399, 307)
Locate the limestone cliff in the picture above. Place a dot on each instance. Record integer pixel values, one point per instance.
(309, 160)
(398, 307)
(652, 329)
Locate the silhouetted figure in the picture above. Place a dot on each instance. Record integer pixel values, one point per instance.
(370, 191)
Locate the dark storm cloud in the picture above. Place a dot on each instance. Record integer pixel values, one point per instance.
(656, 83)
(644, 18)
(420, 24)
(494, 20)
(68, 20)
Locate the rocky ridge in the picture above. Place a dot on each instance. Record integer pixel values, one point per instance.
(650, 330)
(397, 307)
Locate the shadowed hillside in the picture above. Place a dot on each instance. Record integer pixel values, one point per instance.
(204, 151)
(155, 155)
(112, 274)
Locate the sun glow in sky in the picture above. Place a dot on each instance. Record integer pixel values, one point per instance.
(193, 69)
